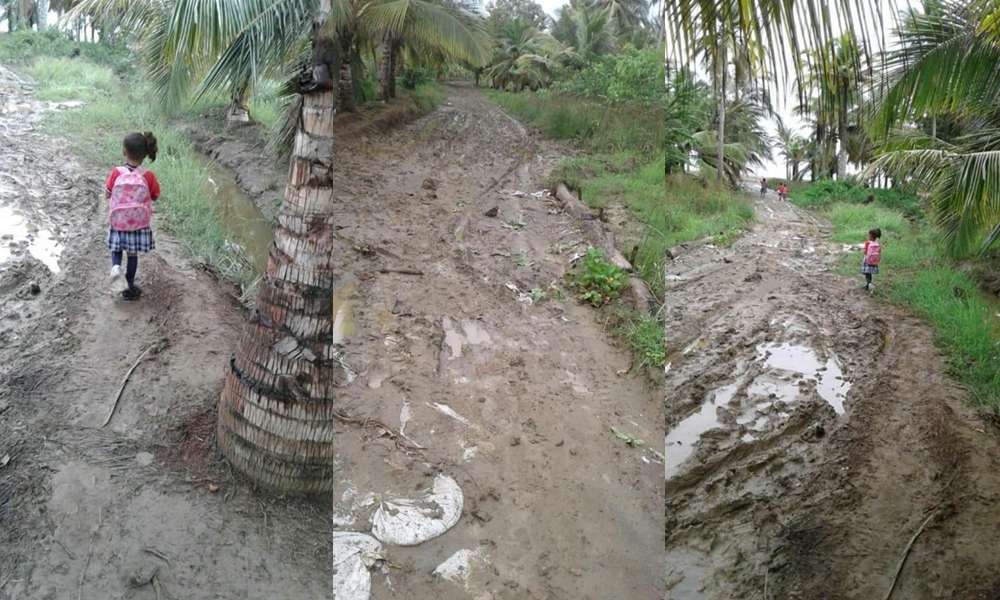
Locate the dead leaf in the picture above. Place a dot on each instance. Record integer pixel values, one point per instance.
(213, 488)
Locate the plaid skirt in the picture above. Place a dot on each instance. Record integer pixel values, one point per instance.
(867, 269)
(140, 240)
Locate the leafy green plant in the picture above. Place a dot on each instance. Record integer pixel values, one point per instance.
(415, 76)
(597, 280)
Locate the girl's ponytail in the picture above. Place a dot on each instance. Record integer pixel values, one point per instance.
(151, 148)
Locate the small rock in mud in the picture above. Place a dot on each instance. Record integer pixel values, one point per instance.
(515, 441)
(143, 575)
(34, 289)
(430, 184)
(753, 277)
(493, 212)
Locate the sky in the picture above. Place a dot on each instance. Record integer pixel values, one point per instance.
(785, 101)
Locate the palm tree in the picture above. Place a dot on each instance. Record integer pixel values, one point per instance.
(524, 57)
(947, 64)
(786, 27)
(279, 402)
(686, 108)
(447, 28)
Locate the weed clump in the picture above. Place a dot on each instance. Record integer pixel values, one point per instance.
(596, 280)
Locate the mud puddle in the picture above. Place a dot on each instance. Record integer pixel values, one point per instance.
(251, 231)
(811, 430)
(17, 236)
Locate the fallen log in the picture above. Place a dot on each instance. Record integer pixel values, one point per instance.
(600, 237)
(639, 296)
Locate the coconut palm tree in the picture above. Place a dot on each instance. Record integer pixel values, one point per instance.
(524, 57)
(280, 398)
(713, 28)
(231, 45)
(687, 106)
(947, 65)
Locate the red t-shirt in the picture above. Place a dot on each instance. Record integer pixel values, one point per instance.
(154, 185)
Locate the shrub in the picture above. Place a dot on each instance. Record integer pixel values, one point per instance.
(598, 281)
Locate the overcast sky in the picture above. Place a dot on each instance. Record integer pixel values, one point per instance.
(785, 101)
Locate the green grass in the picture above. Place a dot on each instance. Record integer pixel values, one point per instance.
(63, 79)
(917, 273)
(695, 211)
(824, 193)
(852, 221)
(597, 127)
(427, 96)
(620, 164)
(646, 337)
(22, 47)
(95, 133)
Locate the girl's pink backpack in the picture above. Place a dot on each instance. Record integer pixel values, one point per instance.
(131, 206)
(874, 254)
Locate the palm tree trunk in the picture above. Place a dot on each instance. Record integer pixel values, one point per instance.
(42, 14)
(276, 411)
(720, 90)
(238, 111)
(345, 83)
(842, 138)
(385, 72)
(394, 66)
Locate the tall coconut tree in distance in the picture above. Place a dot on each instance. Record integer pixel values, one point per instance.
(786, 28)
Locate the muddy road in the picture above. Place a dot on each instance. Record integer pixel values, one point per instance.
(513, 394)
(812, 431)
(94, 512)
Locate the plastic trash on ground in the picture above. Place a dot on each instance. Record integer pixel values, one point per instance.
(408, 522)
(354, 554)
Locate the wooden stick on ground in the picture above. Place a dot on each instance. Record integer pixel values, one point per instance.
(906, 552)
(402, 271)
(121, 389)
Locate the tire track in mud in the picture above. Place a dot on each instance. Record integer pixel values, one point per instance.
(811, 429)
(514, 398)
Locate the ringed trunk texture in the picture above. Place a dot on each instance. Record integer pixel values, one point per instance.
(721, 91)
(276, 412)
(346, 86)
(385, 74)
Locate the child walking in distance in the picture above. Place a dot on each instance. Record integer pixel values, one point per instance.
(131, 191)
(873, 256)
(763, 187)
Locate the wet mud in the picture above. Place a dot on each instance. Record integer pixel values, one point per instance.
(446, 231)
(512, 394)
(812, 429)
(142, 506)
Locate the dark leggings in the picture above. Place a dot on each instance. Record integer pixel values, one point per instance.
(868, 278)
(130, 267)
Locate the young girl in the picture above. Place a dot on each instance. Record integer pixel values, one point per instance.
(131, 191)
(873, 255)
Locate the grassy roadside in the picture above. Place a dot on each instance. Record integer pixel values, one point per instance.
(917, 273)
(618, 165)
(94, 133)
(117, 101)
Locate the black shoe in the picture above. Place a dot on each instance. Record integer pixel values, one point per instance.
(132, 293)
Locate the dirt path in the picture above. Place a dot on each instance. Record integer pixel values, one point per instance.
(85, 509)
(811, 430)
(514, 399)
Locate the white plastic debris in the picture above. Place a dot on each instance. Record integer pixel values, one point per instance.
(354, 554)
(449, 411)
(408, 522)
(459, 566)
